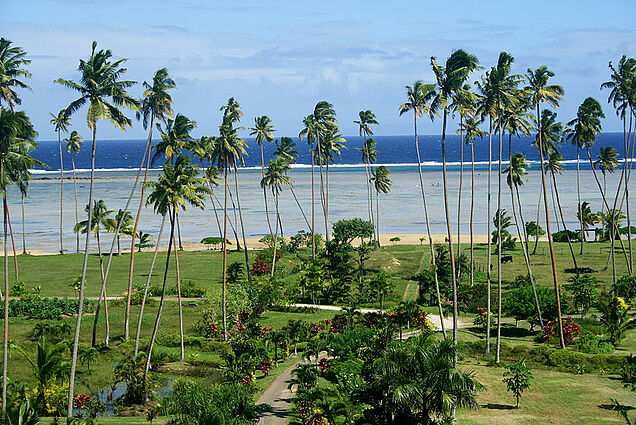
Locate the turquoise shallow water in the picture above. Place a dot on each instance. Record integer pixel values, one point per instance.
(401, 210)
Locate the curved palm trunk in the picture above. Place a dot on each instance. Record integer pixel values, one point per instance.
(161, 302)
(59, 139)
(225, 254)
(450, 238)
(5, 350)
(472, 213)
(536, 236)
(428, 225)
(558, 202)
(626, 193)
(578, 195)
(269, 223)
(554, 207)
(216, 215)
(313, 207)
(136, 226)
(179, 232)
(275, 234)
(300, 207)
(550, 243)
(459, 195)
(15, 254)
(238, 202)
(327, 201)
(77, 235)
(235, 225)
(102, 296)
(176, 260)
(71, 384)
(377, 214)
(488, 220)
(145, 295)
(24, 251)
(499, 231)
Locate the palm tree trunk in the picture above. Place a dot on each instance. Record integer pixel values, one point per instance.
(451, 253)
(472, 213)
(101, 267)
(135, 228)
(15, 253)
(238, 202)
(459, 195)
(536, 236)
(235, 226)
(145, 295)
(216, 215)
(578, 194)
(59, 139)
(176, 260)
(161, 302)
(5, 351)
(488, 220)
(300, 207)
(275, 234)
(629, 222)
(225, 254)
(77, 235)
(102, 293)
(71, 384)
(269, 223)
(428, 226)
(499, 248)
(550, 243)
(554, 207)
(313, 208)
(179, 232)
(377, 213)
(558, 201)
(24, 250)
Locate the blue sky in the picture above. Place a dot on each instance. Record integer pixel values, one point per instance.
(278, 58)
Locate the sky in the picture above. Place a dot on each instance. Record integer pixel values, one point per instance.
(279, 58)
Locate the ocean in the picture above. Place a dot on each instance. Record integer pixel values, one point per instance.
(401, 210)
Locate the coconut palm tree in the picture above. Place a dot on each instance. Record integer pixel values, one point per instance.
(471, 130)
(156, 105)
(105, 93)
(228, 149)
(121, 224)
(586, 217)
(61, 121)
(540, 91)
(622, 85)
(450, 79)
(275, 177)
(285, 150)
(419, 97)
(330, 146)
(367, 119)
(177, 187)
(381, 178)
(12, 61)
(310, 131)
(607, 163)
(74, 144)
(263, 130)
(99, 220)
(23, 184)
(17, 140)
(145, 241)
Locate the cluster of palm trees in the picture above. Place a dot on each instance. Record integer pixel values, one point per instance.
(505, 102)
(512, 103)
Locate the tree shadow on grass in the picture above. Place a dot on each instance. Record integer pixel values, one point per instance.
(612, 407)
(497, 406)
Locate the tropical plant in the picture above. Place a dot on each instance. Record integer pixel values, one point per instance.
(145, 241)
(381, 178)
(275, 177)
(61, 121)
(369, 154)
(517, 378)
(616, 318)
(73, 146)
(263, 130)
(583, 290)
(12, 60)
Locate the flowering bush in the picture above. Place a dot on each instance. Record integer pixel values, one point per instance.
(323, 364)
(266, 365)
(570, 330)
(260, 268)
(481, 320)
(55, 398)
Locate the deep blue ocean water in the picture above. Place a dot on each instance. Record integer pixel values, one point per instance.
(397, 150)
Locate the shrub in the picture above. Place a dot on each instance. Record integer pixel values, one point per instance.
(628, 372)
(592, 344)
(562, 236)
(566, 359)
(45, 308)
(570, 330)
(626, 287)
(481, 319)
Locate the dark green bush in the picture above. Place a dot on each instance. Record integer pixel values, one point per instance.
(592, 344)
(45, 308)
(563, 237)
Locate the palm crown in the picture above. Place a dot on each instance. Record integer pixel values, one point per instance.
(157, 101)
(12, 61)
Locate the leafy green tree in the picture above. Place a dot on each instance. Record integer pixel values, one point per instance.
(13, 59)
(102, 88)
(517, 378)
(348, 230)
(584, 293)
(521, 304)
(380, 287)
(502, 221)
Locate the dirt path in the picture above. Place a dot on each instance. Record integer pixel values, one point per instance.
(279, 397)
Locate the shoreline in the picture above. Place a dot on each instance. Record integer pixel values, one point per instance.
(254, 244)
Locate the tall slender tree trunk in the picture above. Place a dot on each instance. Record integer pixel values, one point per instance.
(313, 207)
(550, 243)
(216, 215)
(488, 268)
(102, 296)
(225, 254)
(459, 195)
(275, 235)
(428, 226)
(238, 202)
(269, 223)
(179, 232)
(24, 250)
(300, 207)
(629, 221)
(145, 294)
(176, 260)
(472, 213)
(327, 201)
(135, 228)
(565, 228)
(77, 235)
(59, 139)
(578, 194)
(499, 247)
(235, 226)
(451, 253)
(71, 384)
(161, 302)
(377, 214)
(536, 236)
(5, 350)
(15, 253)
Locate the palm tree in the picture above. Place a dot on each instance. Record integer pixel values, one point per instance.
(12, 61)
(61, 121)
(178, 186)
(23, 185)
(263, 129)
(419, 98)
(310, 132)
(285, 150)
(607, 163)
(450, 79)
(275, 177)
(586, 217)
(471, 130)
(228, 148)
(17, 140)
(102, 88)
(540, 91)
(381, 178)
(99, 220)
(155, 106)
(331, 144)
(73, 146)
(367, 119)
(145, 241)
(622, 95)
(121, 224)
